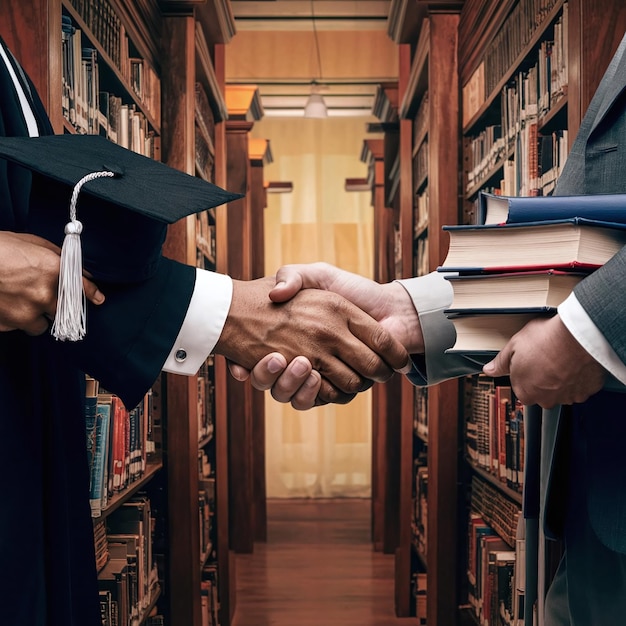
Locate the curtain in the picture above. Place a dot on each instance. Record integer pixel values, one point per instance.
(324, 452)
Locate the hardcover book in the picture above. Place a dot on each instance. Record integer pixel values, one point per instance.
(496, 209)
(568, 243)
(543, 288)
(489, 331)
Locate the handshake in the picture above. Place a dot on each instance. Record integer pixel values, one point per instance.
(315, 334)
(330, 334)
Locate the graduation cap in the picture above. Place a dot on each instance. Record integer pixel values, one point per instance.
(126, 202)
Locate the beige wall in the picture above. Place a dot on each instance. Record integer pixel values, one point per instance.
(326, 451)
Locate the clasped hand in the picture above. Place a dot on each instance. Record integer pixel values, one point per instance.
(347, 348)
(382, 310)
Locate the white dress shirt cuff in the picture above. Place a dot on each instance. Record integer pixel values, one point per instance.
(581, 326)
(203, 323)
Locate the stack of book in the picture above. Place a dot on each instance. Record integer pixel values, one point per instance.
(523, 259)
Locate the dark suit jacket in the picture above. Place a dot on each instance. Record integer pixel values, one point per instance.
(46, 532)
(595, 165)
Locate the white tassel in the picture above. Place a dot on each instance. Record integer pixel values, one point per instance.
(71, 315)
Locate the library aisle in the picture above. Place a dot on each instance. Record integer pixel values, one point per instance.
(317, 567)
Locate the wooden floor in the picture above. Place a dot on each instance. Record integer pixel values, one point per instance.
(317, 568)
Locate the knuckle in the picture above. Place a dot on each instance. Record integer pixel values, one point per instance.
(353, 383)
(280, 396)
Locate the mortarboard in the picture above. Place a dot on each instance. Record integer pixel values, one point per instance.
(126, 202)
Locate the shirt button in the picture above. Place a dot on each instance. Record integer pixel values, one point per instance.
(181, 355)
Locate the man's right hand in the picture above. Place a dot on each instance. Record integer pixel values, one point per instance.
(29, 276)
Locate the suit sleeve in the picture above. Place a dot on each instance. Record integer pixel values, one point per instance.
(431, 294)
(130, 336)
(603, 296)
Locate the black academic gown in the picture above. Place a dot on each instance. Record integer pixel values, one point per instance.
(47, 564)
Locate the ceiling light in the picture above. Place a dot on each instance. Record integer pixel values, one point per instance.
(315, 106)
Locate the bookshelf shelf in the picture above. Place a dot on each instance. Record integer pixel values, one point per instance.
(515, 496)
(119, 498)
(493, 173)
(556, 118)
(562, 33)
(68, 128)
(424, 199)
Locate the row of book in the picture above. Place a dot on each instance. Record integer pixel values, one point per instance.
(419, 522)
(209, 599)
(519, 28)
(206, 398)
(419, 591)
(91, 110)
(552, 149)
(80, 79)
(523, 259)
(108, 30)
(517, 146)
(496, 508)
(106, 26)
(206, 512)
(515, 143)
(420, 215)
(421, 262)
(420, 166)
(205, 131)
(420, 125)
(495, 574)
(420, 412)
(526, 17)
(120, 444)
(127, 575)
(494, 430)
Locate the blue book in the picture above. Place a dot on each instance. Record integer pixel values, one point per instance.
(98, 482)
(90, 427)
(495, 209)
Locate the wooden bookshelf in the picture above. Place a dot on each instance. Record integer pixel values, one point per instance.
(422, 164)
(180, 46)
(585, 35)
(194, 114)
(244, 107)
(259, 155)
(33, 31)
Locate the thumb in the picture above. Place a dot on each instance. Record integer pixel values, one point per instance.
(500, 365)
(289, 281)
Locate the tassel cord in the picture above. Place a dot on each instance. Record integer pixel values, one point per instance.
(71, 315)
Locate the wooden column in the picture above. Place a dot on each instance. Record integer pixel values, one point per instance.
(244, 108)
(373, 154)
(387, 410)
(259, 154)
(443, 407)
(227, 581)
(177, 143)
